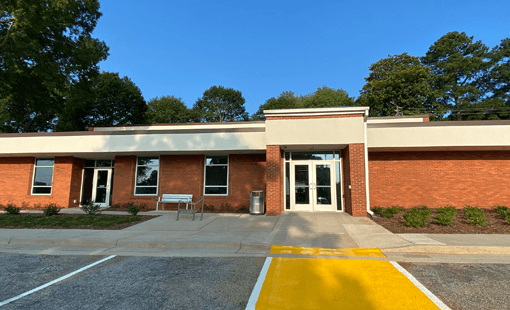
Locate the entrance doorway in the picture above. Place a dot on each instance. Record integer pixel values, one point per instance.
(97, 182)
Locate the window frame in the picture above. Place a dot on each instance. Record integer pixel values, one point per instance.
(136, 176)
(205, 175)
(33, 177)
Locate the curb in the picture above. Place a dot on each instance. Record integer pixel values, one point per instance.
(449, 250)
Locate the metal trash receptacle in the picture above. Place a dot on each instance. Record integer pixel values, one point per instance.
(257, 206)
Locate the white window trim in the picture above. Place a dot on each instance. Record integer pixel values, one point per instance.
(136, 175)
(33, 178)
(228, 175)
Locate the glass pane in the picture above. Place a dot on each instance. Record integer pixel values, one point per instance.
(287, 185)
(323, 173)
(337, 155)
(102, 179)
(146, 190)
(104, 163)
(287, 155)
(338, 187)
(324, 195)
(216, 190)
(44, 162)
(301, 175)
(101, 195)
(216, 175)
(43, 176)
(302, 195)
(216, 160)
(86, 191)
(147, 176)
(89, 163)
(312, 155)
(146, 161)
(41, 190)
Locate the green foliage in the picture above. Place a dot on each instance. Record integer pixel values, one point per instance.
(475, 216)
(502, 210)
(91, 209)
(51, 209)
(220, 104)
(377, 209)
(417, 217)
(389, 212)
(46, 48)
(133, 210)
(327, 97)
(396, 85)
(209, 208)
(286, 100)
(63, 221)
(11, 209)
(445, 216)
(168, 109)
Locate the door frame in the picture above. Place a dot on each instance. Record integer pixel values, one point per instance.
(108, 187)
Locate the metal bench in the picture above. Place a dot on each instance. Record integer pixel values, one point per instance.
(180, 198)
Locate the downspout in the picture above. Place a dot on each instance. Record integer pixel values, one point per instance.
(366, 166)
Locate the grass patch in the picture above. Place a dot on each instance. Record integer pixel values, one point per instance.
(64, 221)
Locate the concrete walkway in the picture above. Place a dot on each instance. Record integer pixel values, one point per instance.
(244, 234)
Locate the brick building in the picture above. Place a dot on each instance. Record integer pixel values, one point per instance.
(304, 159)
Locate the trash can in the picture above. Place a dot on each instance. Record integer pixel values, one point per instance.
(257, 203)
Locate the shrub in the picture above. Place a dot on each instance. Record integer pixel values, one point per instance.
(91, 209)
(132, 209)
(377, 209)
(445, 216)
(11, 209)
(475, 216)
(51, 209)
(389, 212)
(502, 210)
(417, 217)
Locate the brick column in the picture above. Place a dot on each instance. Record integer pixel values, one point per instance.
(354, 175)
(274, 205)
(66, 181)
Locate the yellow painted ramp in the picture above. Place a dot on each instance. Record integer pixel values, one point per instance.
(302, 283)
(283, 249)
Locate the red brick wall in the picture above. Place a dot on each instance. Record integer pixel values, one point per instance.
(184, 174)
(272, 118)
(354, 175)
(437, 179)
(274, 188)
(16, 177)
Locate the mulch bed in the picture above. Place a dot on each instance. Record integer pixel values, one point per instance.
(142, 218)
(497, 225)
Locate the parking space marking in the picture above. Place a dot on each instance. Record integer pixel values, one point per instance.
(321, 283)
(55, 281)
(282, 249)
(425, 291)
(258, 286)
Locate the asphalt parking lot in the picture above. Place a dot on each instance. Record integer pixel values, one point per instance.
(127, 282)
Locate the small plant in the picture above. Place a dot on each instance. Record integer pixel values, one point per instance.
(209, 208)
(417, 217)
(51, 209)
(502, 210)
(377, 209)
(389, 212)
(90, 208)
(11, 209)
(475, 216)
(132, 209)
(445, 216)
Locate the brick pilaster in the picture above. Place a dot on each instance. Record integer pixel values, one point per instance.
(354, 175)
(274, 205)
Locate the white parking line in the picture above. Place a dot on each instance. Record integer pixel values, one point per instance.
(55, 281)
(422, 288)
(258, 286)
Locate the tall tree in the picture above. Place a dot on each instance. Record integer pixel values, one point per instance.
(499, 83)
(396, 85)
(327, 97)
(286, 100)
(460, 68)
(220, 104)
(168, 109)
(45, 48)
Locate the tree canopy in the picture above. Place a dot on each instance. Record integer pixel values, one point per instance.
(45, 48)
(327, 97)
(168, 109)
(286, 100)
(220, 104)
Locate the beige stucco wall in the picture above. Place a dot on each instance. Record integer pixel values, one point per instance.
(193, 142)
(319, 131)
(438, 136)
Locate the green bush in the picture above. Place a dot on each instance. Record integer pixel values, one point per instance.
(445, 216)
(91, 209)
(377, 209)
(417, 217)
(51, 209)
(475, 216)
(11, 209)
(502, 210)
(389, 212)
(133, 210)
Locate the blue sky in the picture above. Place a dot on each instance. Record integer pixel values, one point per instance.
(263, 48)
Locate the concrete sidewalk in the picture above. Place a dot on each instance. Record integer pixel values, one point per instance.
(244, 234)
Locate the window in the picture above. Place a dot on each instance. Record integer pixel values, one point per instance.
(99, 163)
(146, 182)
(216, 175)
(43, 177)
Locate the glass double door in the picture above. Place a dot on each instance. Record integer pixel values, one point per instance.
(312, 186)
